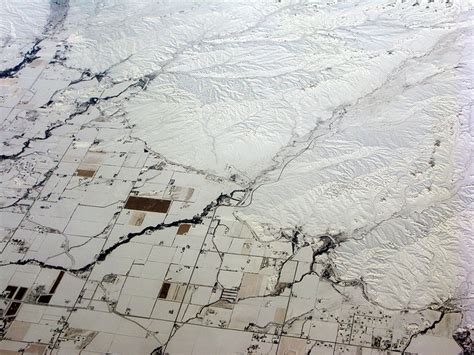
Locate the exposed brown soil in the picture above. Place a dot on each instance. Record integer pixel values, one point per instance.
(147, 204)
(85, 173)
(183, 229)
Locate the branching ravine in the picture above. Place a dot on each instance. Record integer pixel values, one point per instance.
(28, 57)
(432, 326)
(81, 108)
(281, 161)
(328, 243)
(283, 158)
(197, 219)
(58, 13)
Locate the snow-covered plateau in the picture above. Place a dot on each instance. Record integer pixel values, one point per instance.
(348, 121)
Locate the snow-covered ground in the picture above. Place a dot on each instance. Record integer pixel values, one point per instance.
(343, 129)
(347, 117)
(22, 22)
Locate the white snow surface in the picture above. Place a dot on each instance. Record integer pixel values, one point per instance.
(346, 117)
(21, 23)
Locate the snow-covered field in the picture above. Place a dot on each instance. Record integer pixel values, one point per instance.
(346, 117)
(347, 120)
